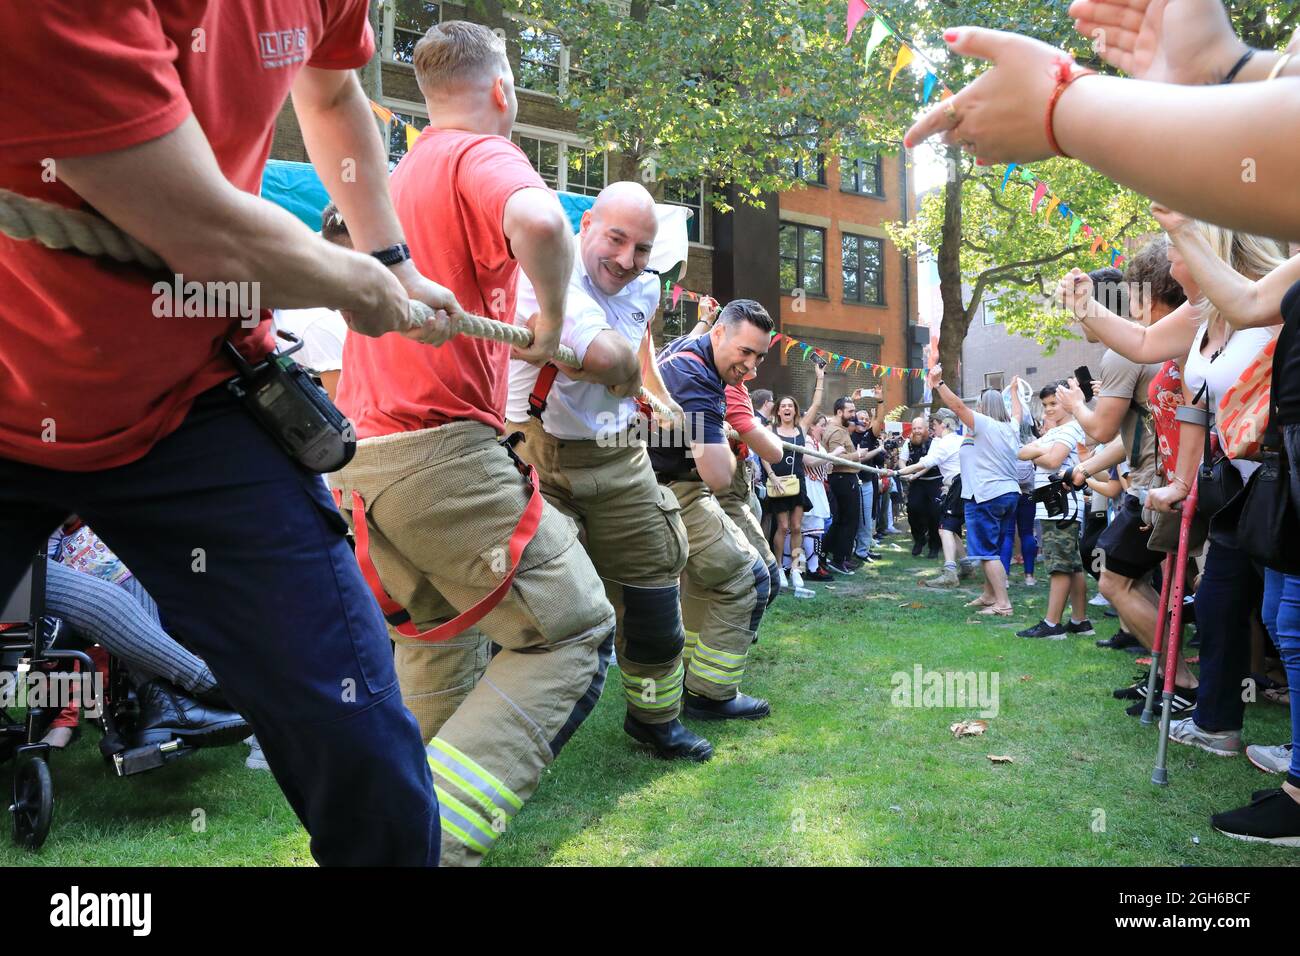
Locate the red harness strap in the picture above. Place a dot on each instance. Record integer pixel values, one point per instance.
(397, 615)
(541, 389)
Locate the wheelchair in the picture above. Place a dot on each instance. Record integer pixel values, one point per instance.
(34, 643)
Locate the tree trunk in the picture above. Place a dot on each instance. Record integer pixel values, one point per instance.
(372, 74)
(952, 328)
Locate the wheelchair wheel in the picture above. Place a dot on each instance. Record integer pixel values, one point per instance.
(33, 805)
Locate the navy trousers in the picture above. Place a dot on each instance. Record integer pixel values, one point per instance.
(247, 558)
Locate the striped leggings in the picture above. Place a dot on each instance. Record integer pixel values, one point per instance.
(124, 620)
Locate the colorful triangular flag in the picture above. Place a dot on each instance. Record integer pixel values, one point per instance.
(904, 58)
(1007, 175)
(927, 90)
(1039, 192)
(857, 10)
(878, 33)
(412, 134)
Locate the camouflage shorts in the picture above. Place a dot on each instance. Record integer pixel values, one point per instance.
(1058, 548)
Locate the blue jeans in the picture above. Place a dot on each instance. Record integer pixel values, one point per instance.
(1282, 618)
(1229, 591)
(247, 557)
(1024, 524)
(865, 540)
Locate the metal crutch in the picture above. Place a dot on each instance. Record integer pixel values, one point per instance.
(1160, 775)
(1162, 625)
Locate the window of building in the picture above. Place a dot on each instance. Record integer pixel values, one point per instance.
(542, 60)
(990, 316)
(862, 263)
(994, 380)
(403, 23)
(690, 195)
(1031, 370)
(565, 166)
(803, 258)
(586, 170)
(397, 135)
(862, 176)
(812, 170)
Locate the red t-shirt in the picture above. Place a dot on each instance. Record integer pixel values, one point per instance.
(740, 415)
(450, 191)
(83, 357)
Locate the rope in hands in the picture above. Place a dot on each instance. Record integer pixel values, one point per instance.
(58, 227)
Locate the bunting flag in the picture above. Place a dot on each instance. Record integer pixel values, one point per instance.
(857, 10)
(1040, 191)
(927, 90)
(1097, 244)
(1075, 225)
(904, 58)
(412, 134)
(1052, 205)
(878, 33)
(844, 362)
(1007, 175)
(677, 294)
(382, 112)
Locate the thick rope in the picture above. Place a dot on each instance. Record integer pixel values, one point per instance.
(58, 227)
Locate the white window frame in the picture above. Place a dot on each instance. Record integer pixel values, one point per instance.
(386, 29)
(402, 106)
(565, 141)
(698, 212)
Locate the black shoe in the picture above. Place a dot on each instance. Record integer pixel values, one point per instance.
(934, 554)
(1120, 640)
(740, 707)
(1271, 818)
(840, 568)
(1260, 794)
(1131, 692)
(1053, 632)
(167, 713)
(671, 741)
(854, 563)
(1080, 628)
(821, 574)
(1181, 706)
(917, 549)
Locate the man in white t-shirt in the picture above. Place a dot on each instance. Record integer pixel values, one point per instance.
(1056, 453)
(576, 427)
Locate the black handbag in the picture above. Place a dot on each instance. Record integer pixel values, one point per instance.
(1217, 481)
(1268, 528)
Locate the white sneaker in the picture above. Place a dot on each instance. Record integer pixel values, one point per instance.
(1099, 600)
(796, 580)
(1222, 744)
(1270, 759)
(784, 583)
(255, 761)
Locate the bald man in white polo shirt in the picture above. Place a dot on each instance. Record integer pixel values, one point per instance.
(579, 431)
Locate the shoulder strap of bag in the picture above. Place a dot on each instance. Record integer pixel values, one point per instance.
(1273, 432)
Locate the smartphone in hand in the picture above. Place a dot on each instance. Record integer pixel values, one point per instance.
(1084, 378)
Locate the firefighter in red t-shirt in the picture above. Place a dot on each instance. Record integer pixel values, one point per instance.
(159, 117)
(463, 549)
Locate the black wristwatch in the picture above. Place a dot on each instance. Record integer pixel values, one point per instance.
(393, 254)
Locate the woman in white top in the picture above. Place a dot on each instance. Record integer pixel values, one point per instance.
(1230, 590)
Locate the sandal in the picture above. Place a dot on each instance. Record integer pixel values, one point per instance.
(993, 610)
(979, 602)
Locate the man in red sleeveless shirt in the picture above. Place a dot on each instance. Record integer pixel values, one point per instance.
(440, 508)
(159, 117)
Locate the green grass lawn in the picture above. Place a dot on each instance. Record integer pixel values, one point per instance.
(837, 775)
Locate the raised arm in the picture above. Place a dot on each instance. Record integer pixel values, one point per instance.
(810, 416)
(1168, 338)
(948, 396)
(1242, 303)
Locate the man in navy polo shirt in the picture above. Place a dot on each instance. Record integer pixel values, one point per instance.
(723, 569)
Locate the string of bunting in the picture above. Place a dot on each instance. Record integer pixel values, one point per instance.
(842, 363)
(882, 29)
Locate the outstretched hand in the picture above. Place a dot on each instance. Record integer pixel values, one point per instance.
(1168, 41)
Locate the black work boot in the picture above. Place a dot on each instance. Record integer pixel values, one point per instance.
(166, 713)
(672, 741)
(740, 707)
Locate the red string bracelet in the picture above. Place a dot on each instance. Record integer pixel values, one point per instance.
(1067, 71)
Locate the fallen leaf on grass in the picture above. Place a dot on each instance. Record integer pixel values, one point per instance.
(1025, 677)
(914, 605)
(969, 728)
(996, 759)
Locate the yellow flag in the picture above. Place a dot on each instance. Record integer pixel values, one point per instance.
(412, 134)
(904, 58)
